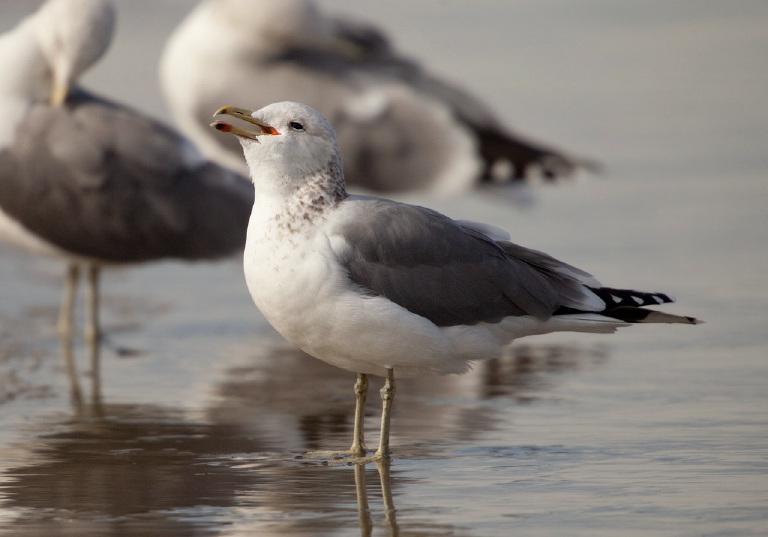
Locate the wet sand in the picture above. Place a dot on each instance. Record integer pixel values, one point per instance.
(205, 412)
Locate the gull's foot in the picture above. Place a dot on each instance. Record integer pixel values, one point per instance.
(344, 457)
(358, 449)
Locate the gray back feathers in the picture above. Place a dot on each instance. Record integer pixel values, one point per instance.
(453, 274)
(99, 180)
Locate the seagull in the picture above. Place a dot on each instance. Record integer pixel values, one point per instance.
(384, 288)
(378, 100)
(93, 182)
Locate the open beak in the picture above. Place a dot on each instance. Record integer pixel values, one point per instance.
(245, 115)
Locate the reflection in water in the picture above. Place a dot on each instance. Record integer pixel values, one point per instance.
(366, 524)
(70, 366)
(93, 472)
(302, 403)
(527, 370)
(152, 470)
(75, 392)
(149, 471)
(20, 361)
(94, 347)
(26, 340)
(386, 492)
(22, 352)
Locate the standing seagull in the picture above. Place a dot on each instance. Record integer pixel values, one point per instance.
(91, 181)
(378, 101)
(384, 288)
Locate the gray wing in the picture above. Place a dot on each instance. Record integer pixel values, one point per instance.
(102, 181)
(453, 274)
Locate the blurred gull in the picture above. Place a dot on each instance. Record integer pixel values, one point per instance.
(384, 288)
(379, 102)
(91, 181)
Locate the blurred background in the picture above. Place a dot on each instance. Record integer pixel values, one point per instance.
(656, 429)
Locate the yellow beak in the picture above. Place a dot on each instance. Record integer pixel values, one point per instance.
(245, 115)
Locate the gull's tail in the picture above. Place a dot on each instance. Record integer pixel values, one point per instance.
(629, 306)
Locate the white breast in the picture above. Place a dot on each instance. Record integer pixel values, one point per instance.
(298, 284)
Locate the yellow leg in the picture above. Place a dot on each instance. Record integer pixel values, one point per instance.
(358, 448)
(75, 392)
(387, 396)
(92, 328)
(66, 313)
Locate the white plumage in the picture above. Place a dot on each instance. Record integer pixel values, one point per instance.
(377, 98)
(93, 182)
(380, 287)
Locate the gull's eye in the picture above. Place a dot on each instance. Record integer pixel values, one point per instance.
(295, 125)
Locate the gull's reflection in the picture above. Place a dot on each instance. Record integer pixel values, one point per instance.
(528, 371)
(70, 366)
(386, 492)
(303, 404)
(76, 393)
(234, 459)
(366, 522)
(150, 470)
(94, 475)
(93, 399)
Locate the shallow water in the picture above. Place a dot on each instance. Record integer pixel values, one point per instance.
(205, 412)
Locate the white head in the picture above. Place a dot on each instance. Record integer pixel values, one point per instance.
(43, 56)
(73, 35)
(294, 145)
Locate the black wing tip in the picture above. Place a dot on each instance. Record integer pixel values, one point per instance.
(630, 306)
(618, 298)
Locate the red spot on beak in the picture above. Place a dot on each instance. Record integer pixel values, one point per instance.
(222, 126)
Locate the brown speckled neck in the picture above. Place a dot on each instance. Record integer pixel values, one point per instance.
(319, 193)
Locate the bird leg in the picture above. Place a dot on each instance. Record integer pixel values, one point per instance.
(93, 331)
(94, 351)
(64, 324)
(387, 396)
(75, 392)
(92, 328)
(358, 448)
